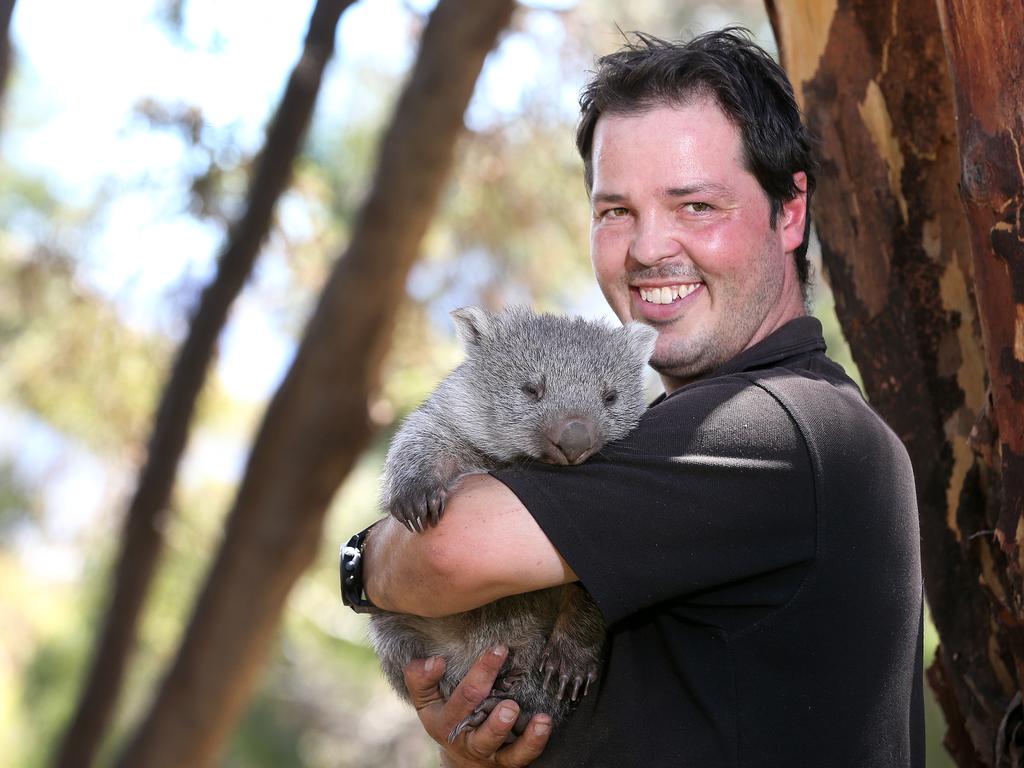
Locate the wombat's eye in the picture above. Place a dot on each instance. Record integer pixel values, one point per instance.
(610, 397)
(534, 389)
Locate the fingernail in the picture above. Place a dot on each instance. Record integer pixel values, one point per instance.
(429, 666)
(541, 728)
(507, 714)
(499, 650)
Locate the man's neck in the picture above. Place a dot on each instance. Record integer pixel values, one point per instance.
(672, 383)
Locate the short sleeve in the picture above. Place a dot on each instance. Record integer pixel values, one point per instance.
(706, 502)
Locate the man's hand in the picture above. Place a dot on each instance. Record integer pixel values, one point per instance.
(485, 744)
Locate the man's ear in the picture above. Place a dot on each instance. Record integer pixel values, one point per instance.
(472, 324)
(793, 218)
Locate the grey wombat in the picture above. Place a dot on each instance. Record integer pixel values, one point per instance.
(532, 387)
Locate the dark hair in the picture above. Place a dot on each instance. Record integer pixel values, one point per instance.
(746, 83)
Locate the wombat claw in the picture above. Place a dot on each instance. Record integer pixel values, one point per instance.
(424, 511)
(483, 709)
(572, 680)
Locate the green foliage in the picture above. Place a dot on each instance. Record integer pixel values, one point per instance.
(17, 503)
(48, 690)
(66, 355)
(43, 649)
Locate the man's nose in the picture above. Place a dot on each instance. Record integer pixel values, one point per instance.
(653, 241)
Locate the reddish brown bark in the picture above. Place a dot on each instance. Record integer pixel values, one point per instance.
(985, 38)
(317, 423)
(142, 540)
(985, 45)
(874, 83)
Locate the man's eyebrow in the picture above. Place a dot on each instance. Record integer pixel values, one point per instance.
(607, 197)
(697, 188)
(701, 187)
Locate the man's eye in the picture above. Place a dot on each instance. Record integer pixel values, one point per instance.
(698, 208)
(615, 213)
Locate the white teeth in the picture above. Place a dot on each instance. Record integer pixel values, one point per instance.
(668, 294)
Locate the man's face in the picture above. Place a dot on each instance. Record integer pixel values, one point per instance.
(681, 240)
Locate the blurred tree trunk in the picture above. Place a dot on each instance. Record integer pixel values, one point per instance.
(317, 423)
(918, 288)
(142, 539)
(6, 50)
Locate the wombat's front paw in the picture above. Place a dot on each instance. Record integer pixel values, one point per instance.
(565, 672)
(417, 511)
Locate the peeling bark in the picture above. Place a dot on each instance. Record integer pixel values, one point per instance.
(317, 423)
(873, 80)
(142, 540)
(985, 38)
(984, 42)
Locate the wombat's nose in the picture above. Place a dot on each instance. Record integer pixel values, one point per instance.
(574, 440)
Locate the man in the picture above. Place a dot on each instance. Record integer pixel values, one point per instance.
(753, 544)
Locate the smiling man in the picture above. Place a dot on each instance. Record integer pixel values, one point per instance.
(753, 544)
(685, 240)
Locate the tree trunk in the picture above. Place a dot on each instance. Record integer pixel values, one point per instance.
(873, 81)
(142, 539)
(985, 44)
(317, 423)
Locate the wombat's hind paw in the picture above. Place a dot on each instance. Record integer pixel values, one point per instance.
(483, 709)
(563, 676)
(418, 512)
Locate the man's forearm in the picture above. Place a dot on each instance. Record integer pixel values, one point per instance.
(464, 561)
(426, 574)
(393, 571)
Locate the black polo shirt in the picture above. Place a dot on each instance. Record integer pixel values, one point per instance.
(753, 545)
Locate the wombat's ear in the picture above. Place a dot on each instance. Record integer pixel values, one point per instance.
(640, 340)
(472, 325)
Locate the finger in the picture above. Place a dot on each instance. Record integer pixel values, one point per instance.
(421, 679)
(474, 688)
(483, 741)
(527, 747)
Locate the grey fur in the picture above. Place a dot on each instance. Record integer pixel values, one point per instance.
(532, 386)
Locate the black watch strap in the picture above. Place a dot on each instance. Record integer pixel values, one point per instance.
(353, 591)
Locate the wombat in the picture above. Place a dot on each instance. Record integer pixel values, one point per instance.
(532, 386)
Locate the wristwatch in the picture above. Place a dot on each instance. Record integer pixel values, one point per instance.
(353, 591)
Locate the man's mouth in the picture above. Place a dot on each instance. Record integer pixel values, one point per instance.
(666, 294)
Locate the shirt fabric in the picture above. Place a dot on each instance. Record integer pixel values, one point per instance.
(754, 548)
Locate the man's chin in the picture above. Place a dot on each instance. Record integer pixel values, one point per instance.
(672, 369)
(684, 365)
